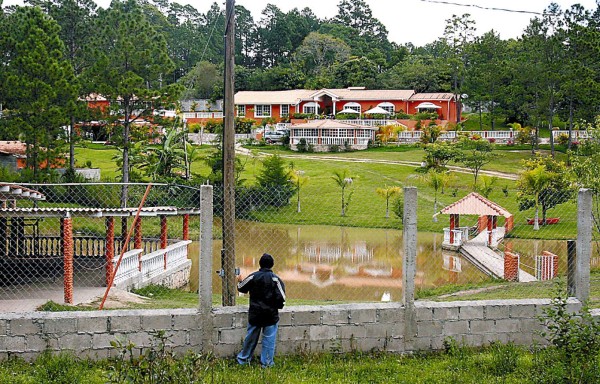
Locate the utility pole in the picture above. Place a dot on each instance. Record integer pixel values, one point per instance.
(228, 252)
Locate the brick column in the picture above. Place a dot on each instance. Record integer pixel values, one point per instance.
(452, 226)
(163, 236)
(511, 266)
(186, 227)
(66, 224)
(110, 247)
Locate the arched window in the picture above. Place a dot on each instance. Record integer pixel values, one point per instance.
(310, 108)
(388, 107)
(354, 106)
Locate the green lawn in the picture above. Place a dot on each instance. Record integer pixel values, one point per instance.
(493, 364)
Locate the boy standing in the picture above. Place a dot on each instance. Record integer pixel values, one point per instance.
(267, 296)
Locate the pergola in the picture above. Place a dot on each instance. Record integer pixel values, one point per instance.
(475, 204)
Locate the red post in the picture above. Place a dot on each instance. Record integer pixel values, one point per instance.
(489, 229)
(186, 227)
(67, 240)
(137, 240)
(110, 247)
(163, 236)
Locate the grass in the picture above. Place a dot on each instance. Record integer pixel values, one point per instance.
(494, 364)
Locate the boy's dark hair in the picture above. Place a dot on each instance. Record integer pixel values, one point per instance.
(266, 261)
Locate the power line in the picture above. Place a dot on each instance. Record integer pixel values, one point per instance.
(482, 7)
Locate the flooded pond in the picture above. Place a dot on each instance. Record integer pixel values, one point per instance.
(329, 263)
(340, 263)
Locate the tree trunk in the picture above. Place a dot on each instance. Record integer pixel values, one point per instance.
(72, 143)
(536, 224)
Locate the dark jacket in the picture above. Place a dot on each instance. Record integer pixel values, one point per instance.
(267, 294)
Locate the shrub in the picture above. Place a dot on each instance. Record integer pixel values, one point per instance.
(302, 146)
(334, 148)
(398, 208)
(576, 337)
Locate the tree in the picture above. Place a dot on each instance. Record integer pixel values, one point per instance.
(204, 81)
(438, 155)
(356, 72)
(437, 181)
(275, 181)
(388, 193)
(548, 181)
(36, 84)
(458, 35)
(299, 181)
(357, 14)
(476, 154)
(343, 180)
(130, 68)
(319, 52)
(167, 160)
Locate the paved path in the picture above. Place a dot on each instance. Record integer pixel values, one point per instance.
(500, 175)
(488, 260)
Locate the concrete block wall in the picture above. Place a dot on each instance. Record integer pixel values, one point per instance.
(302, 329)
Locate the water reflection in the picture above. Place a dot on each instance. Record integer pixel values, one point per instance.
(340, 263)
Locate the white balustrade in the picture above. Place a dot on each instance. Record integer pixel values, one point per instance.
(154, 263)
(575, 135)
(129, 266)
(461, 236)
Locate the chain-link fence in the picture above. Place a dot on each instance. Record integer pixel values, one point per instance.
(66, 242)
(335, 236)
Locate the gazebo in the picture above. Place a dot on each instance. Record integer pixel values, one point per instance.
(474, 204)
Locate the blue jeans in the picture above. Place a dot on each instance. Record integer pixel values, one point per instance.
(268, 345)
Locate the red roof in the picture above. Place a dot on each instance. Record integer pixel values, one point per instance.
(15, 148)
(474, 204)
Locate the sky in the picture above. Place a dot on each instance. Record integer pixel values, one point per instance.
(415, 21)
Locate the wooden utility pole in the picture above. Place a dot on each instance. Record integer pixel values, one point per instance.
(228, 253)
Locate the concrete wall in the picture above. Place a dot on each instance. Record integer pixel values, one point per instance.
(348, 327)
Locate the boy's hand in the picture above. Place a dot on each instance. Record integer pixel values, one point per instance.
(240, 278)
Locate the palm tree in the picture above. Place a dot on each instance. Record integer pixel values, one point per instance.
(438, 181)
(387, 193)
(535, 180)
(164, 160)
(342, 179)
(298, 180)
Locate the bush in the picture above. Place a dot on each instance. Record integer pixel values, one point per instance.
(334, 148)
(398, 208)
(576, 337)
(302, 146)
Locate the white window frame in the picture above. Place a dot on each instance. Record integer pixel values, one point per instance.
(314, 105)
(282, 112)
(241, 110)
(261, 109)
(391, 108)
(354, 106)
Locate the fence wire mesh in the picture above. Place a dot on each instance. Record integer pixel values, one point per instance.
(62, 242)
(336, 236)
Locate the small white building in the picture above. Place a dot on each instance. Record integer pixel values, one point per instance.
(322, 134)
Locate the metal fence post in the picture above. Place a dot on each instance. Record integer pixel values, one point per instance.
(409, 261)
(584, 244)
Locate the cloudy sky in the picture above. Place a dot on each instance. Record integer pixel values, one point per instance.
(416, 21)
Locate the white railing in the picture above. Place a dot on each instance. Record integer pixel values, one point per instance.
(498, 136)
(129, 266)
(332, 140)
(461, 236)
(369, 122)
(574, 134)
(202, 115)
(211, 138)
(154, 263)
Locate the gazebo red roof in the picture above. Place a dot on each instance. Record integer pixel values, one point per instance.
(474, 204)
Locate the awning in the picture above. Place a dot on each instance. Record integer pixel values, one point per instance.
(347, 110)
(377, 110)
(474, 204)
(428, 106)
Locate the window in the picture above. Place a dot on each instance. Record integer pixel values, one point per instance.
(262, 110)
(387, 106)
(311, 108)
(354, 106)
(241, 110)
(285, 109)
